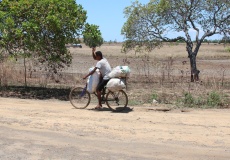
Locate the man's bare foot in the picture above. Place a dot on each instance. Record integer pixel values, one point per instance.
(98, 107)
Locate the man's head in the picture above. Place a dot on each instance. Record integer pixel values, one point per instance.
(99, 55)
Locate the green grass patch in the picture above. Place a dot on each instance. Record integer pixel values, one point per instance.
(212, 100)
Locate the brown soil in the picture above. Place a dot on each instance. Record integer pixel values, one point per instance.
(53, 129)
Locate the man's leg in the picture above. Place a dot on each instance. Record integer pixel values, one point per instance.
(99, 99)
(100, 87)
(98, 90)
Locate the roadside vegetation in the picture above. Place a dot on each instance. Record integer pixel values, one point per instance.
(159, 78)
(37, 59)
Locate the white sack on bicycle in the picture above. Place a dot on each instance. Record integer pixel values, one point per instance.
(119, 72)
(93, 80)
(115, 84)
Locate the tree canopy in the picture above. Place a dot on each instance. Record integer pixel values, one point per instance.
(41, 29)
(92, 36)
(148, 26)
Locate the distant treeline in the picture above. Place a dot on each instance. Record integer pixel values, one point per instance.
(217, 41)
(223, 40)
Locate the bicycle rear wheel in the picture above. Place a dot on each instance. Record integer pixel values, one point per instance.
(79, 97)
(117, 101)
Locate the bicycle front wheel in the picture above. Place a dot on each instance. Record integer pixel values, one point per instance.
(79, 97)
(117, 101)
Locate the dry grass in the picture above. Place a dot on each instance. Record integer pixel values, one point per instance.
(163, 74)
(174, 50)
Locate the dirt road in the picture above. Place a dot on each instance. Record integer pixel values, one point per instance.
(52, 129)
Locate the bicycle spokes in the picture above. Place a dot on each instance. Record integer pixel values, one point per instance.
(117, 101)
(79, 97)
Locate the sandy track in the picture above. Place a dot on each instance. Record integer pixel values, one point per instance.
(52, 129)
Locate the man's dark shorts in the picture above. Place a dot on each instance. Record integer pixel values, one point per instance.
(102, 84)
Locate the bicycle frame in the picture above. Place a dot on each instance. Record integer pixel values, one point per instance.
(83, 92)
(103, 93)
(115, 100)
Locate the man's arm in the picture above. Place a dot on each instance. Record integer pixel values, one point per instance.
(90, 73)
(93, 52)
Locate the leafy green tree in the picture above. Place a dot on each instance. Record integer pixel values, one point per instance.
(40, 29)
(147, 25)
(92, 36)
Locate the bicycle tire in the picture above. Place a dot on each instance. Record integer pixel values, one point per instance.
(79, 97)
(117, 101)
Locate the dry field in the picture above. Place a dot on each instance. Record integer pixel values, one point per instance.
(52, 129)
(163, 74)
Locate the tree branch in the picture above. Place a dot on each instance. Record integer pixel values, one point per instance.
(194, 27)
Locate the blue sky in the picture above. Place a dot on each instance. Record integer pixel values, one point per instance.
(109, 16)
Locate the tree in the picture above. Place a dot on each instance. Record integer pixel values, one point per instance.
(40, 29)
(92, 36)
(225, 39)
(147, 25)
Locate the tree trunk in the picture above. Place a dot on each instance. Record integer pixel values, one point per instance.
(194, 71)
(25, 72)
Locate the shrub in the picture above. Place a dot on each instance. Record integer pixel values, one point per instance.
(214, 99)
(154, 96)
(228, 49)
(188, 99)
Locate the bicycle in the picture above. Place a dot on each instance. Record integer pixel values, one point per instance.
(115, 100)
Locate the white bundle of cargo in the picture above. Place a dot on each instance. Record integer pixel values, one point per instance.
(116, 84)
(93, 80)
(120, 72)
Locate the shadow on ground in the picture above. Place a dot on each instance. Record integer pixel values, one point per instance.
(35, 92)
(126, 110)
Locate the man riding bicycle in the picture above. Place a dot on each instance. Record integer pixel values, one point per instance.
(104, 68)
